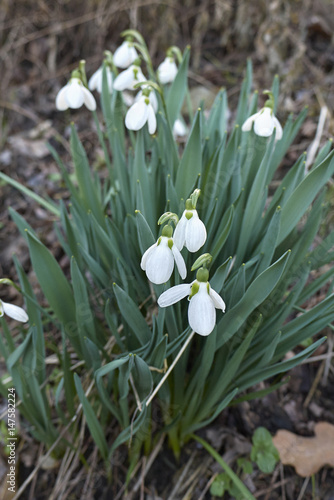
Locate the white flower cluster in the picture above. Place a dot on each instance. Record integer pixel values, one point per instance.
(145, 106)
(158, 263)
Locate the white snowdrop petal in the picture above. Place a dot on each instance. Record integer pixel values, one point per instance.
(180, 264)
(15, 312)
(167, 70)
(124, 80)
(202, 313)
(179, 129)
(180, 231)
(247, 126)
(264, 124)
(151, 120)
(160, 264)
(124, 55)
(279, 130)
(217, 300)
(174, 294)
(195, 236)
(93, 82)
(154, 101)
(61, 101)
(89, 99)
(145, 256)
(74, 94)
(137, 116)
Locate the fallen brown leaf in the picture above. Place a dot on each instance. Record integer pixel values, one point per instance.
(307, 454)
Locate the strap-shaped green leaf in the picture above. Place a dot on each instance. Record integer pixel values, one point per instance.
(304, 194)
(249, 380)
(132, 316)
(191, 162)
(256, 293)
(88, 190)
(91, 418)
(55, 287)
(178, 89)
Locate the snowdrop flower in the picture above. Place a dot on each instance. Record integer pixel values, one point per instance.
(264, 121)
(179, 129)
(190, 231)
(13, 311)
(167, 70)
(95, 81)
(152, 96)
(125, 55)
(141, 112)
(128, 78)
(158, 260)
(74, 95)
(203, 302)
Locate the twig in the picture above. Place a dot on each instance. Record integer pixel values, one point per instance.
(135, 392)
(321, 357)
(183, 348)
(273, 487)
(207, 486)
(314, 385)
(52, 447)
(182, 476)
(149, 463)
(302, 491)
(272, 482)
(282, 480)
(329, 355)
(315, 144)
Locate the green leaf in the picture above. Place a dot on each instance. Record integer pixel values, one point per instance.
(91, 418)
(256, 293)
(55, 288)
(300, 200)
(49, 205)
(191, 162)
(145, 235)
(132, 316)
(88, 191)
(178, 89)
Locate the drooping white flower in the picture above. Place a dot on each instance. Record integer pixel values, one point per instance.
(74, 95)
(167, 70)
(95, 81)
(141, 112)
(203, 302)
(264, 123)
(179, 129)
(125, 55)
(190, 231)
(152, 96)
(128, 78)
(13, 311)
(158, 260)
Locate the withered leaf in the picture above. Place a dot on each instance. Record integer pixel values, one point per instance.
(307, 454)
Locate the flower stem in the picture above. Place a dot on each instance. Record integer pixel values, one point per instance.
(179, 354)
(239, 484)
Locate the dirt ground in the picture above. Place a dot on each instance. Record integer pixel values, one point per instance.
(40, 43)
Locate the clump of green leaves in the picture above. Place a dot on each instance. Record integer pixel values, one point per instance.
(112, 341)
